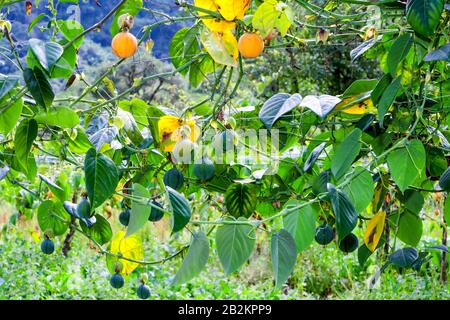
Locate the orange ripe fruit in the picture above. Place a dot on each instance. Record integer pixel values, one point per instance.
(124, 44)
(250, 45)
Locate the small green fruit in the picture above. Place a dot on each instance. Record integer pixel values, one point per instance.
(155, 214)
(84, 208)
(324, 234)
(349, 243)
(124, 217)
(174, 179)
(47, 246)
(143, 291)
(117, 281)
(204, 170)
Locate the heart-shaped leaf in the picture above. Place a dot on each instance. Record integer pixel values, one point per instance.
(235, 243)
(443, 53)
(240, 199)
(404, 258)
(345, 213)
(7, 82)
(140, 210)
(39, 87)
(47, 52)
(195, 259)
(181, 210)
(284, 256)
(101, 175)
(277, 106)
(424, 15)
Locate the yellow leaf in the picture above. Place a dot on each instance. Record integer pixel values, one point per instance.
(374, 230)
(171, 129)
(130, 247)
(222, 47)
(232, 9)
(351, 106)
(217, 25)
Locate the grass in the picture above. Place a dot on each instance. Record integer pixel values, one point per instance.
(321, 273)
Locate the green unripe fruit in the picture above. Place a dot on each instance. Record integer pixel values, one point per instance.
(84, 208)
(324, 234)
(174, 179)
(47, 246)
(204, 170)
(349, 243)
(117, 281)
(143, 291)
(124, 217)
(155, 214)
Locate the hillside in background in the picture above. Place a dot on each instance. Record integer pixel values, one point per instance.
(89, 13)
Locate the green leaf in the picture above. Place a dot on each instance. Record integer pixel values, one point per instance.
(424, 15)
(65, 65)
(58, 191)
(240, 200)
(359, 87)
(404, 258)
(235, 243)
(9, 112)
(364, 253)
(26, 133)
(182, 47)
(52, 216)
(270, 15)
(363, 48)
(345, 153)
(7, 83)
(130, 127)
(100, 231)
(35, 21)
(379, 89)
(410, 228)
(398, 52)
(321, 105)
(195, 259)
(360, 189)
(101, 176)
(407, 163)
(46, 52)
(181, 210)
(345, 213)
(444, 180)
(70, 29)
(140, 210)
(440, 54)
(62, 117)
(388, 98)
(313, 156)
(39, 87)
(301, 224)
(277, 106)
(284, 256)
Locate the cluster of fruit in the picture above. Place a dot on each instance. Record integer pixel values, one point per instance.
(325, 234)
(117, 281)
